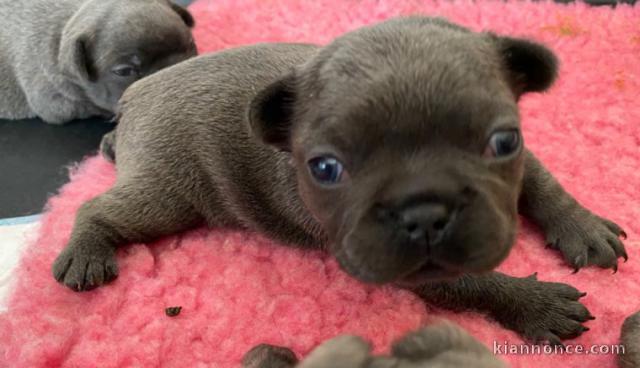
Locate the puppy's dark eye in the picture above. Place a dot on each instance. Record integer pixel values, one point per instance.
(326, 170)
(503, 143)
(125, 70)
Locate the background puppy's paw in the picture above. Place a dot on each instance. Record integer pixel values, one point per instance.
(340, 352)
(630, 339)
(85, 268)
(431, 341)
(440, 346)
(443, 345)
(269, 356)
(586, 239)
(544, 311)
(108, 146)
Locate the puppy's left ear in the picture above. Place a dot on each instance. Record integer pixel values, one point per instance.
(187, 18)
(75, 57)
(531, 66)
(271, 113)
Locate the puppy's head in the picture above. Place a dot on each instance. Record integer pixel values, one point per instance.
(407, 145)
(109, 44)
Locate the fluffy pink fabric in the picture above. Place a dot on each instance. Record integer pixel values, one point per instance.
(238, 290)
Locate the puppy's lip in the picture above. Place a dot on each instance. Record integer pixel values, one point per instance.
(429, 271)
(349, 264)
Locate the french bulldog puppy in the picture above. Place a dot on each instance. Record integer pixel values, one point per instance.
(71, 59)
(630, 339)
(397, 148)
(441, 346)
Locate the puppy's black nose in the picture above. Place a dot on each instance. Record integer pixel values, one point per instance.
(422, 222)
(425, 221)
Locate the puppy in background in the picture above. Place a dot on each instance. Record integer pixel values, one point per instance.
(72, 59)
(439, 346)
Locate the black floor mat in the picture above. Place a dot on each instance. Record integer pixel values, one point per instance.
(34, 157)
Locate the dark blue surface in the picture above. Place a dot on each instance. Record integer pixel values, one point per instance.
(34, 157)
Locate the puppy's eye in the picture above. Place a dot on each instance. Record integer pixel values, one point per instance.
(125, 70)
(326, 170)
(503, 143)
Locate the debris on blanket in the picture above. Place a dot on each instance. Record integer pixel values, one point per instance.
(173, 311)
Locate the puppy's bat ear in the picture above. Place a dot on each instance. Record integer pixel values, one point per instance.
(76, 58)
(531, 66)
(270, 113)
(187, 18)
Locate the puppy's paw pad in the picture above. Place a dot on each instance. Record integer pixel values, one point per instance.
(586, 239)
(83, 269)
(546, 311)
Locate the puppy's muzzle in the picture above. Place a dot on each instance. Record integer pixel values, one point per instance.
(421, 224)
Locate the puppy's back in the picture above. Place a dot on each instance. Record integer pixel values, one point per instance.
(201, 97)
(185, 128)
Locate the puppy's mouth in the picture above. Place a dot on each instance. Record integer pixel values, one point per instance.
(420, 273)
(419, 269)
(429, 271)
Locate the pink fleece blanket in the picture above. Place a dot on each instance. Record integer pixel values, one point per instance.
(237, 290)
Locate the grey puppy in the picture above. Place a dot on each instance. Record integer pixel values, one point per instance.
(71, 59)
(440, 346)
(397, 148)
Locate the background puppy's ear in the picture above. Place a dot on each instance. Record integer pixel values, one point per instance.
(184, 14)
(76, 58)
(270, 113)
(532, 67)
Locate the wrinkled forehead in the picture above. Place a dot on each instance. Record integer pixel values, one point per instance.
(407, 113)
(151, 29)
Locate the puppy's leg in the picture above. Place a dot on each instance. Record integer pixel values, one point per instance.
(583, 237)
(129, 212)
(539, 311)
(13, 102)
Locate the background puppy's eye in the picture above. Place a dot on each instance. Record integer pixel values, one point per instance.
(326, 169)
(125, 70)
(503, 143)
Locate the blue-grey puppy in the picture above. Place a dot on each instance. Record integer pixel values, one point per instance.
(396, 148)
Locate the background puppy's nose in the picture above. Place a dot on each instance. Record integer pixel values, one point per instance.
(425, 221)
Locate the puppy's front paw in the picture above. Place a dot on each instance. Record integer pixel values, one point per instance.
(269, 356)
(586, 239)
(85, 267)
(108, 146)
(444, 345)
(543, 311)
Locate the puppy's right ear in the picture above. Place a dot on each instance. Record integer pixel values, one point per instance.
(75, 58)
(531, 66)
(270, 113)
